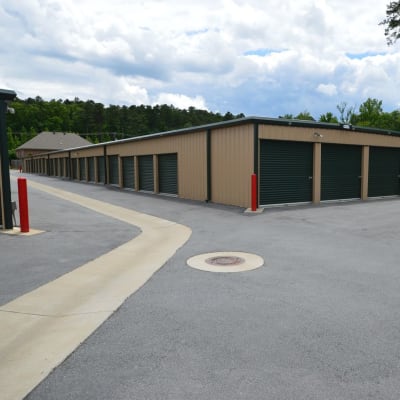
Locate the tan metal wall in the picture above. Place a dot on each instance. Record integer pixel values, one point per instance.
(192, 159)
(232, 165)
(328, 136)
(232, 160)
(87, 152)
(58, 155)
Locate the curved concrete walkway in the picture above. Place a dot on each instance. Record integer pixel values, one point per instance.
(41, 328)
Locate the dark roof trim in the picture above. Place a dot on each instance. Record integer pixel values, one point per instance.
(245, 121)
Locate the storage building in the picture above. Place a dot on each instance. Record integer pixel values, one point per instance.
(294, 162)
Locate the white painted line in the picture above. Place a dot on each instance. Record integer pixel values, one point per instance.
(41, 328)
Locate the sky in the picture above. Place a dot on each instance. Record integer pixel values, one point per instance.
(262, 58)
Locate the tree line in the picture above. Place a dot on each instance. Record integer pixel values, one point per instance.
(98, 123)
(369, 114)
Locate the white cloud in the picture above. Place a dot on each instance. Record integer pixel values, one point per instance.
(327, 89)
(180, 101)
(206, 54)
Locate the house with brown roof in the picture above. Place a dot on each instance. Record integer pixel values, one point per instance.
(50, 141)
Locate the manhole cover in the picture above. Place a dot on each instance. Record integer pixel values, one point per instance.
(225, 261)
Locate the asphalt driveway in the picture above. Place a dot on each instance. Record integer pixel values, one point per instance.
(320, 319)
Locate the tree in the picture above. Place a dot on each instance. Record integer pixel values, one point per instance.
(286, 116)
(305, 116)
(328, 117)
(370, 113)
(346, 114)
(392, 22)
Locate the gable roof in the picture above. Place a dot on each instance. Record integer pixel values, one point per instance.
(54, 141)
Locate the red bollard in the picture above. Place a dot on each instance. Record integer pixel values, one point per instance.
(23, 204)
(254, 199)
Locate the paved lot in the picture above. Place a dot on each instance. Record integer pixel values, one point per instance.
(319, 321)
(72, 236)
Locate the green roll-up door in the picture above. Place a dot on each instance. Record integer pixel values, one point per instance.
(91, 176)
(113, 170)
(286, 170)
(67, 167)
(101, 171)
(168, 173)
(384, 172)
(340, 172)
(74, 168)
(82, 169)
(61, 161)
(128, 172)
(146, 175)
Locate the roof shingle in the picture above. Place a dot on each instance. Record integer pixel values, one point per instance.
(54, 141)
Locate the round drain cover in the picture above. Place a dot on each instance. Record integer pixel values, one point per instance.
(227, 261)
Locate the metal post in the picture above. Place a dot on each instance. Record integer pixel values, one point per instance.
(5, 192)
(23, 204)
(254, 197)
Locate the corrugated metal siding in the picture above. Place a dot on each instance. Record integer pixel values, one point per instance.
(192, 159)
(328, 136)
(232, 165)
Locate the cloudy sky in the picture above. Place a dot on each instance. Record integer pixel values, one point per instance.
(259, 57)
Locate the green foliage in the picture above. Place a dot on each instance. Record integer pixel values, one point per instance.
(392, 22)
(286, 116)
(328, 118)
(370, 113)
(90, 118)
(98, 123)
(305, 116)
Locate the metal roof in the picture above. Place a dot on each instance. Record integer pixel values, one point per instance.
(245, 121)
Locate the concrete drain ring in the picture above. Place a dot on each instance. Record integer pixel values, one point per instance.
(228, 261)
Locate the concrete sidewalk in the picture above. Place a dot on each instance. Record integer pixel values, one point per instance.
(320, 320)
